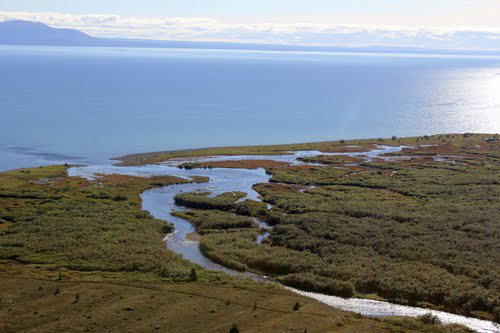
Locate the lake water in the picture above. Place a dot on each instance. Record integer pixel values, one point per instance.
(71, 104)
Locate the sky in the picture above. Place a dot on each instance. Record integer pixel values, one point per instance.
(451, 24)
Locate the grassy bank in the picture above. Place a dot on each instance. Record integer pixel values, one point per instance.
(326, 146)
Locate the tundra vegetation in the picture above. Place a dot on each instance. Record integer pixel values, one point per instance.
(77, 224)
(238, 164)
(418, 227)
(82, 255)
(341, 146)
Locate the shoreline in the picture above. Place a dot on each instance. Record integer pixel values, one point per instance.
(135, 159)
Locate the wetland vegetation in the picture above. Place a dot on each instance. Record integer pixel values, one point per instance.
(420, 231)
(419, 227)
(82, 255)
(85, 225)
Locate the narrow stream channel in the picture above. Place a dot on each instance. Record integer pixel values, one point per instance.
(160, 203)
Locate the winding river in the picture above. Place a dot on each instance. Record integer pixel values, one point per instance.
(160, 203)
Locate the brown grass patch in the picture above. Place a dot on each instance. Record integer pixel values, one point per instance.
(36, 300)
(242, 164)
(278, 187)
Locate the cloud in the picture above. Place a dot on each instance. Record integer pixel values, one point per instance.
(207, 29)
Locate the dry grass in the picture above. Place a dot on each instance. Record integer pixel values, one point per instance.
(39, 300)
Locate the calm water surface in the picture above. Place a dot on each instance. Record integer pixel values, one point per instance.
(71, 104)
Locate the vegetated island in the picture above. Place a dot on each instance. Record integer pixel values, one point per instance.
(418, 228)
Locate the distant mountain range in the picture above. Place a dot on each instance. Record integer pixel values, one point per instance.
(35, 33)
(17, 32)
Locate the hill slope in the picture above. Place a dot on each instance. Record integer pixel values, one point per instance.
(18, 32)
(35, 33)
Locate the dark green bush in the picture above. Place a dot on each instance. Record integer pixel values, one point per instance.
(429, 318)
(312, 282)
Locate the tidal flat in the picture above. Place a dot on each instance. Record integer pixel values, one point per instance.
(417, 225)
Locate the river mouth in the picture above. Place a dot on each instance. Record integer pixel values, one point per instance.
(159, 202)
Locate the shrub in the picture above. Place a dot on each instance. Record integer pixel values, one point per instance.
(251, 208)
(429, 318)
(312, 282)
(193, 276)
(167, 228)
(234, 329)
(203, 201)
(120, 197)
(207, 221)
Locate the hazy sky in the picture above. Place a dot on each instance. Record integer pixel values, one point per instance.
(398, 12)
(426, 23)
